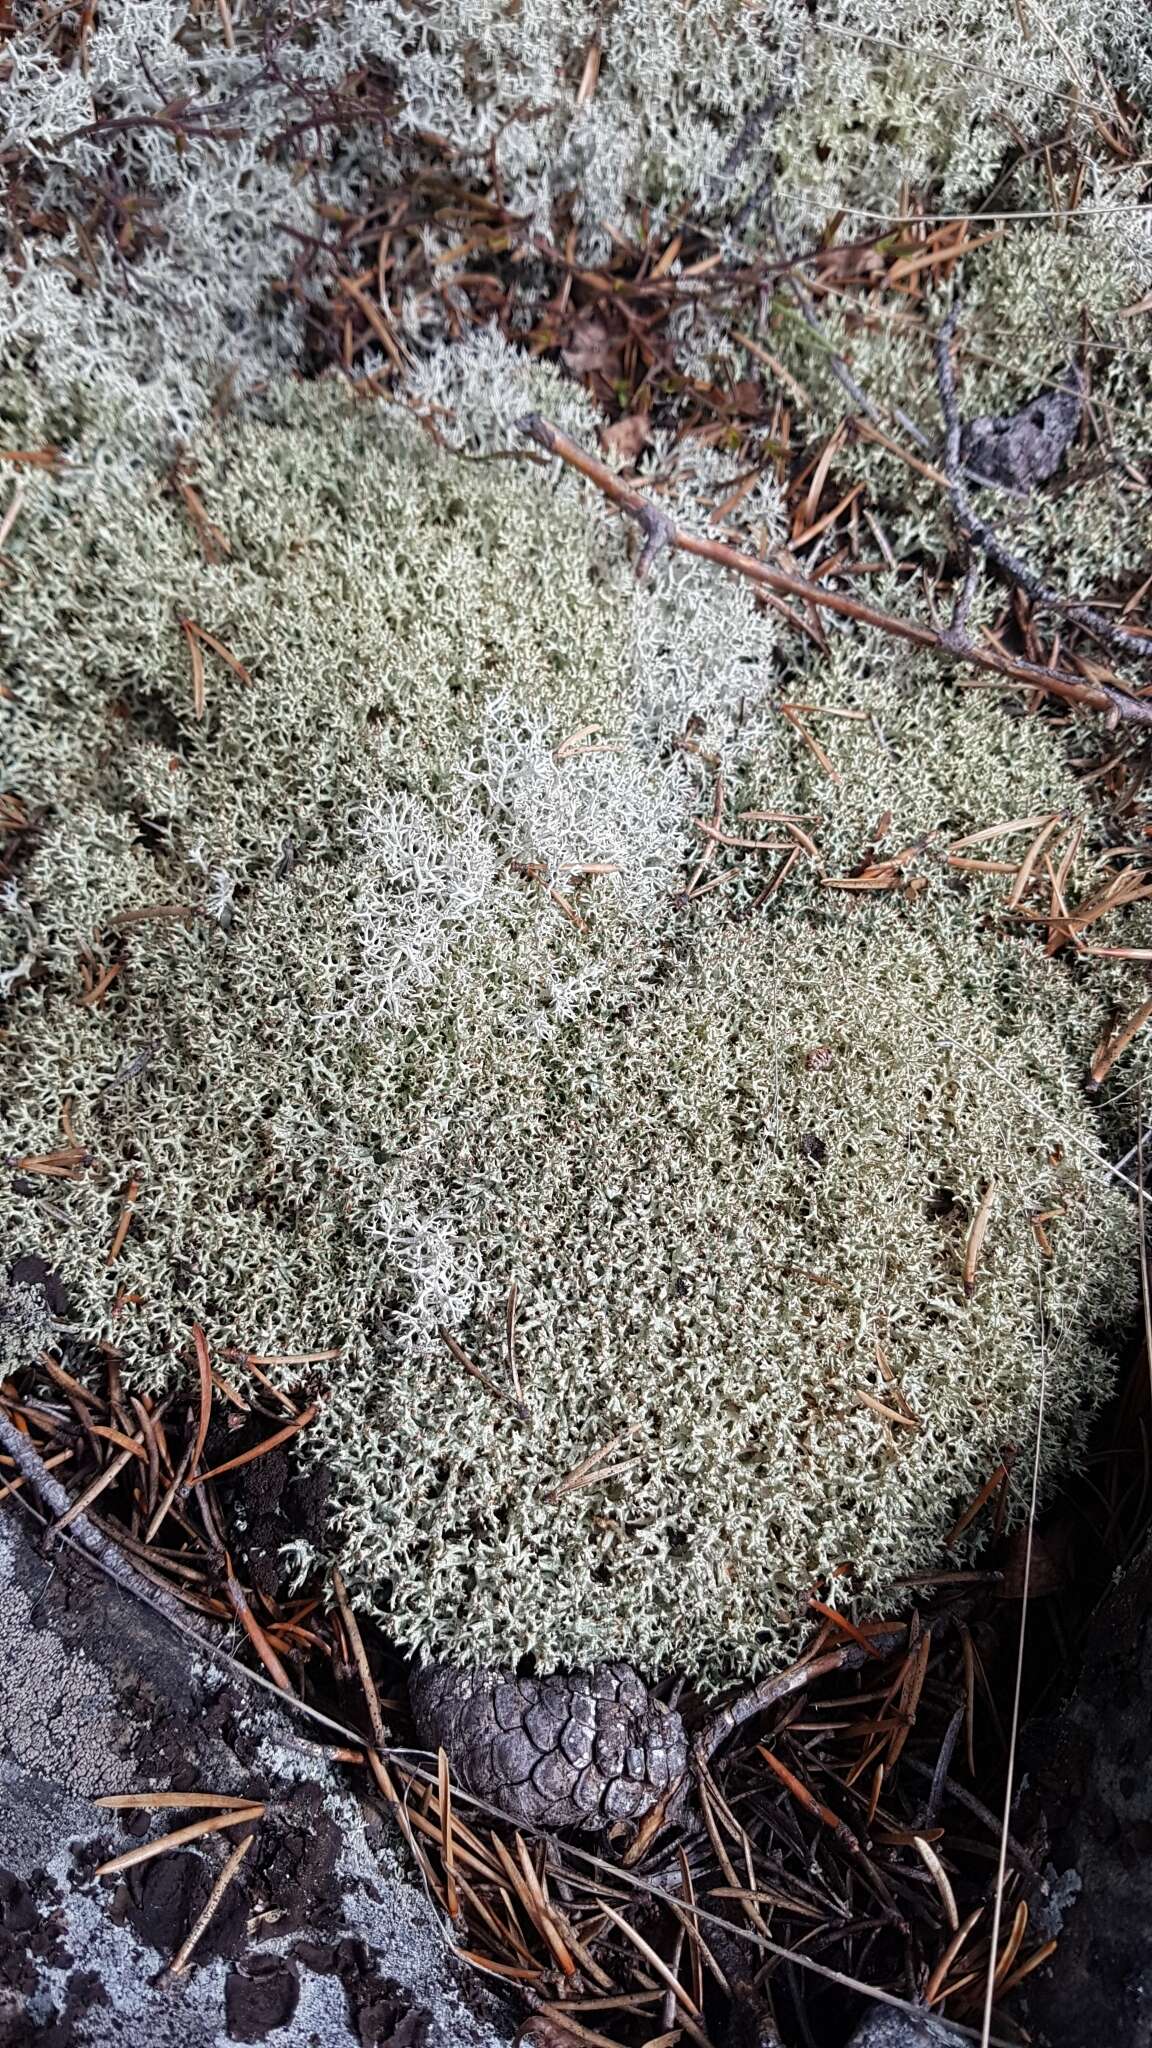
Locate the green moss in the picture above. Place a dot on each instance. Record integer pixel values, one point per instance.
(400, 1056)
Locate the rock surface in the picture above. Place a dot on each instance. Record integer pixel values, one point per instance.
(321, 1937)
(1088, 1768)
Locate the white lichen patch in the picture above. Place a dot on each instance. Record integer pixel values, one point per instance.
(408, 1013)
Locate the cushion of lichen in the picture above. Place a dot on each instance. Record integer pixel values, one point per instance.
(380, 1077)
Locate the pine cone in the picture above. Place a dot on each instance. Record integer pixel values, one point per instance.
(581, 1751)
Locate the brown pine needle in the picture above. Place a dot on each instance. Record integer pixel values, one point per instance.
(181, 1960)
(691, 2014)
(477, 1373)
(934, 1987)
(590, 1468)
(447, 1838)
(1111, 1050)
(811, 742)
(204, 1368)
(270, 1443)
(122, 1227)
(256, 1636)
(1014, 1943)
(940, 1879)
(148, 1802)
(192, 1833)
(99, 1484)
(1040, 1955)
(510, 1340)
(889, 1414)
(196, 656)
(846, 1627)
(360, 1658)
(982, 1498)
(804, 1797)
(194, 633)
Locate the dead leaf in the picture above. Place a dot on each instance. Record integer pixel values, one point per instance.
(628, 437)
(591, 347)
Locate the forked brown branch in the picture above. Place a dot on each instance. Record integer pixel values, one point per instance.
(951, 644)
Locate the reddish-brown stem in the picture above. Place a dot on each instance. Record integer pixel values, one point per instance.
(659, 532)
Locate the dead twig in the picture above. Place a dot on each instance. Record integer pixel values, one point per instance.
(660, 532)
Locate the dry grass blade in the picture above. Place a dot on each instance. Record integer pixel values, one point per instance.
(192, 1833)
(183, 1957)
(270, 1443)
(1018, 1688)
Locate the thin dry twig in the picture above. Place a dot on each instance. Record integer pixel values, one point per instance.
(662, 532)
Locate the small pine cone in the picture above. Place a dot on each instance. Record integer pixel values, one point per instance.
(582, 1751)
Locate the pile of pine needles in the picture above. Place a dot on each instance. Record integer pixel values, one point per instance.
(845, 1825)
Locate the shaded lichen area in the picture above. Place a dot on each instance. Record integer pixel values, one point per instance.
(409, 1014)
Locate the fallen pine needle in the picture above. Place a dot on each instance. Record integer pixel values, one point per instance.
(181, 1960)
(270, 1443)
(934, 1989)
(102, 1480)
(691, 2013)
(1111, 1050)
(256, 1635)
(122, 1227)
(940, 1879)
(176, 1840)
(360, 1658)
(890, 1414)
(204, 1368)
(146, 1802)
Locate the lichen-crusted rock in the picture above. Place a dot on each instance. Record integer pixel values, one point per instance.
(578, 1751)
